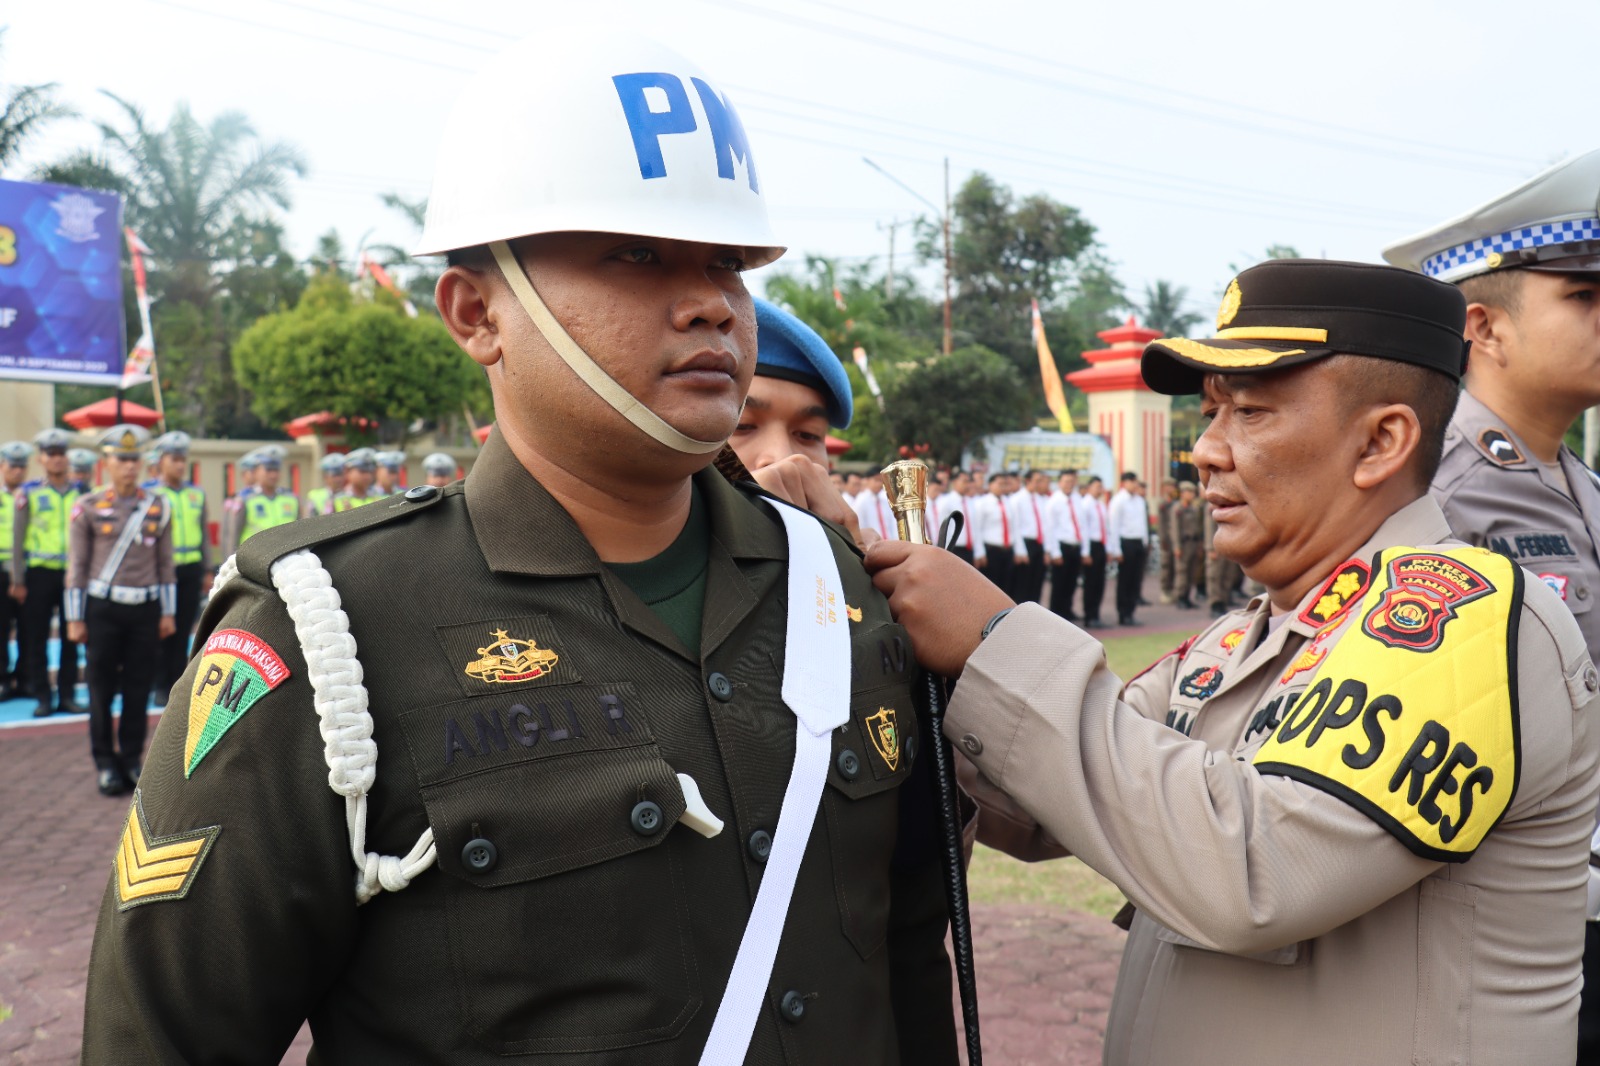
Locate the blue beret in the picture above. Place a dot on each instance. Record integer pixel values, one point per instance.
(788, 348)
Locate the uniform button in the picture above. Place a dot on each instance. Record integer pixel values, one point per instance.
(1591, 678)
(760, 845)
(1583, 592)
(971, 744)
(720, 686)
(849, 764)
(418, 493)
(646, 818)
(479, 856)
(792, 1006)
(911, 750)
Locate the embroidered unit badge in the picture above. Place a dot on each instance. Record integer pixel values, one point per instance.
(236, 669)
(1200, 684)
(885, 736)
(508, 659)
(1231, 639)
(1557, 583)
(853, 613)
(155, 868)
(1424, 593)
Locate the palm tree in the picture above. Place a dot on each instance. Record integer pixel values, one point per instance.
(27, 109)
(1164, 309)
(194, 192)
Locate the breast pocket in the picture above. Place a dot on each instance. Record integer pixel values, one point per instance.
(872, 756)
(567, 917)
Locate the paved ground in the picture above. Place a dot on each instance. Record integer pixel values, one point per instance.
(1045, 977)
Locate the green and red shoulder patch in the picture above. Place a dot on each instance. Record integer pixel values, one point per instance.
(236, 669)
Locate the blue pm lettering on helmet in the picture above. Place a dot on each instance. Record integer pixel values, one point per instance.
(647, 125)
(727, 135)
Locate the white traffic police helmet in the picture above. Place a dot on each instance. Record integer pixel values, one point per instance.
(607, 133)
(602, 133)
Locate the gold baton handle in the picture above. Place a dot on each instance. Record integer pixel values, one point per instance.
(906, 485)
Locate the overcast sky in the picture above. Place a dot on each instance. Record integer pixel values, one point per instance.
(1191, 135)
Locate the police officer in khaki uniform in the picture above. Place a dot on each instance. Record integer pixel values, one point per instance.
(595, 815)
(1528, 263)
(13, 472)
(1186, 533)
(1353, 816)
(122, 596)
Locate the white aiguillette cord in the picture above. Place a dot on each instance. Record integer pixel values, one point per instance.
(606, 387)
(816, 687)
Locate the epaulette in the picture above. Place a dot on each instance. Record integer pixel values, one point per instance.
(256, 555)
(840, 533)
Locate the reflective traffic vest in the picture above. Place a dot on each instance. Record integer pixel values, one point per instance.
(263, 512)
(344, 501)
(319, 499)
(8, 526)
(188, 505)
(48, 513)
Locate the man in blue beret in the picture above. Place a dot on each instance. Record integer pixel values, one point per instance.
(799, 391)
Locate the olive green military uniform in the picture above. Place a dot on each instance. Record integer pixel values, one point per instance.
(1222, 575)
(1164, 541)
(1186, 531)
(526, 716)
(1313, 922)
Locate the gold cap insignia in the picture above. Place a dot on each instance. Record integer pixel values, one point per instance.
(1494, 259)
(1230, 304)
(885, 736)
(507, 659)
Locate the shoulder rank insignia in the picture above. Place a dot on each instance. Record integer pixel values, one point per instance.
(236, 669)
(1337, 594)
(885, 736)
(1425, 745)
(507, 659)
(1499, 448)
(151, 868)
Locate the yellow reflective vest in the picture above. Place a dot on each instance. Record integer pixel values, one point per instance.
(48, 512)
(263, 512)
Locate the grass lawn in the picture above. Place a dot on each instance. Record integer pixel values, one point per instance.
(997, 878)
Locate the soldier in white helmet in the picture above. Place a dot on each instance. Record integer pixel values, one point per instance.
(623, 759)
(440, 468)
(1528, 263)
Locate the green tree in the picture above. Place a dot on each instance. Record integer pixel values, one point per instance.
(1164, 309)
(950, 401)
(354, 357)
(1007, 251)
(24, 111)
(200, 196)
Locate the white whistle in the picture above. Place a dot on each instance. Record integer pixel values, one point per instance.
(697, 815)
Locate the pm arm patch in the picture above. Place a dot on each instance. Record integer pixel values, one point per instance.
(1412, 716)
(151, 868)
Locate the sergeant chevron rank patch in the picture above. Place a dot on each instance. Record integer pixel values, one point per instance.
(151, 868)
(236, 669)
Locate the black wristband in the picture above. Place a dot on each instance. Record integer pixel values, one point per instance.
(988, 627)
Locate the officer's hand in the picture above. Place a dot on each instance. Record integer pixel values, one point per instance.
(804, 483)
(19, 593)
(166, 627)
(941, 601)
(981, 563)
(1022, 560)
(77, 632)
(205, 582)
(1056, 560)
(1088, 558)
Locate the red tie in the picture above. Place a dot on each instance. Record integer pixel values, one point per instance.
(1038, 526)
(1104, 521)
(1072, 513)
(966, 523)
(1005, 523)
(883, 520)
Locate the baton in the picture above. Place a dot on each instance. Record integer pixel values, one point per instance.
(905, 483)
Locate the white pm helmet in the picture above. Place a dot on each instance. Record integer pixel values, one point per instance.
(606, 133)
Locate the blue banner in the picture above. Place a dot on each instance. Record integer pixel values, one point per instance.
(61, 313)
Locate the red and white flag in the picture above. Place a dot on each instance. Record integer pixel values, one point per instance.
(137, 367)
(368, 265)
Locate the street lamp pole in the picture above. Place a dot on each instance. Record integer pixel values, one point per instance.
(944, 218)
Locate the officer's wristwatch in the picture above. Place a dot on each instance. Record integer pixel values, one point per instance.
(988, 627)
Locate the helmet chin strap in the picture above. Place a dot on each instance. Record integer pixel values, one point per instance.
(606, 387)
